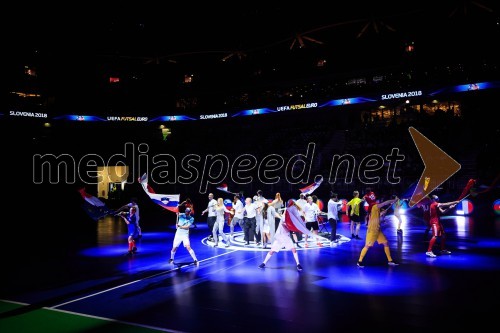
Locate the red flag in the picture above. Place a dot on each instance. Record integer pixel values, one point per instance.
(467, 189)
(224, 188)
(311, 187)
(294, 221)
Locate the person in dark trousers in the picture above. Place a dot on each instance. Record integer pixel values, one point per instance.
(211, 215)
(333, 216)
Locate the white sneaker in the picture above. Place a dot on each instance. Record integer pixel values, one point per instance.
(430, 254)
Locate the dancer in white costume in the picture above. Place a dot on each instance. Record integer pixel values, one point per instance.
(182, 235)
(220, 209)
(282, 240)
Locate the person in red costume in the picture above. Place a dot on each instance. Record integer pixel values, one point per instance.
(437, 208)
(371, 200)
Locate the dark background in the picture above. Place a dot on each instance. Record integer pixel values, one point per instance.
(75, 51)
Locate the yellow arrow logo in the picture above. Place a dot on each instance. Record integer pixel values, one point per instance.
(439, 166)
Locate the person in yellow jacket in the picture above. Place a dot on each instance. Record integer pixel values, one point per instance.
(353, 208)
(374, 234)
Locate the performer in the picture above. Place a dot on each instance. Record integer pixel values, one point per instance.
(283, 240)
(220, 209)
(278, 205)
(425, 205)
(436, 209)
(398, 203)
(297, 236)
(185, 220)
(259, 200)
(133, 229)
(273, 216)
(353, 207)
(333, 216)
(370, 199)
(188, 204)
(129, 206)
(250, 211)
(374, 234)
(302, 200)
(270, 215)
(211, 214)
(311, 211)
(238, 215)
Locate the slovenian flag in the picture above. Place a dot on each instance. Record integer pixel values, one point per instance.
(168, 201)
(312, 187)
(228, 204)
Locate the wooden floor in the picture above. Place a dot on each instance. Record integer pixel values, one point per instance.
(89, 274)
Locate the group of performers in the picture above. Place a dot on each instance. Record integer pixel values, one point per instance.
(263, 222)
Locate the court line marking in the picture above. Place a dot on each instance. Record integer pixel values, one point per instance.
(100, 318)
(132, 282)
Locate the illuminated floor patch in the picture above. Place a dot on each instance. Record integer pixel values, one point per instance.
(237, 242)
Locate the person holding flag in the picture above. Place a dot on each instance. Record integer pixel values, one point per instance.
(297, 236)
(282, 238)
(375, 234)
(133, 229)
(436, 209)
(132, 205)
(184, 222)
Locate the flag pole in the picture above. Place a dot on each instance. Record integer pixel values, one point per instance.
(464, 198)
(178, 212)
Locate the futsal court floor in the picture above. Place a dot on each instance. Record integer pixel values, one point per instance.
(87, 283)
